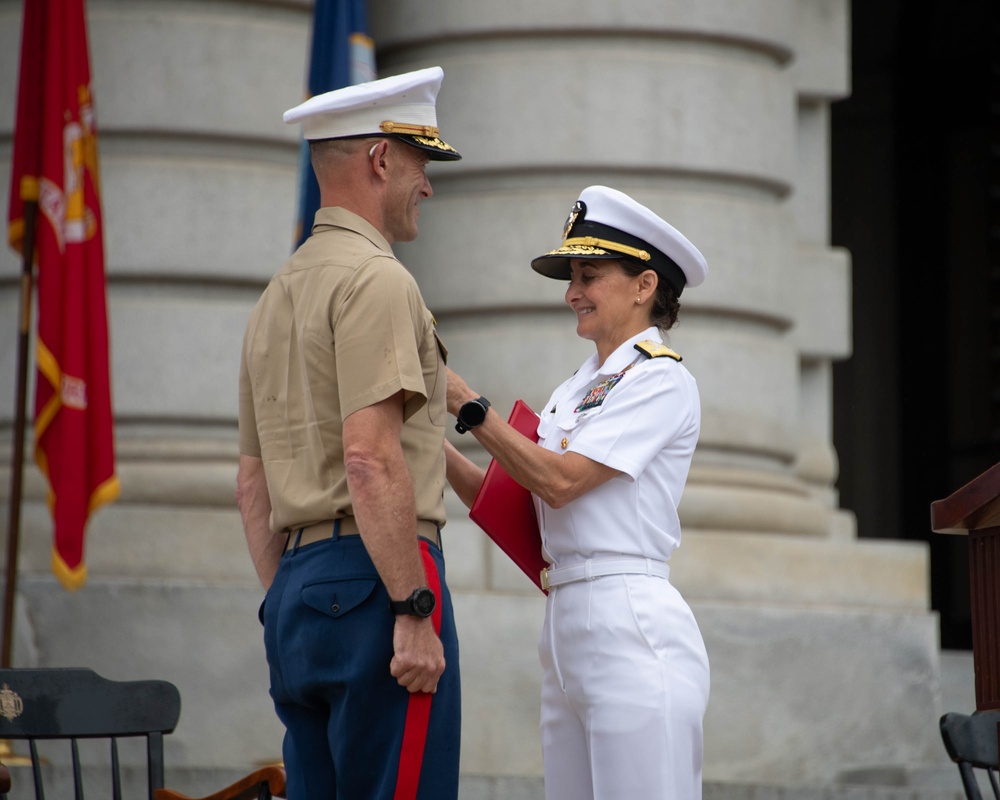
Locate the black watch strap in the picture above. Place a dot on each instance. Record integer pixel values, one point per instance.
(472, 414)
(420, 603)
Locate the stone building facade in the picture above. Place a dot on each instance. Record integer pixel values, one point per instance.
(715, 114)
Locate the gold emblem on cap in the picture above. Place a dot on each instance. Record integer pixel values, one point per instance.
(409, 130)
(11, 704)
(578, 209)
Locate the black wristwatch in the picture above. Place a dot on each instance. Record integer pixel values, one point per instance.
(419, 604)
(472, 414)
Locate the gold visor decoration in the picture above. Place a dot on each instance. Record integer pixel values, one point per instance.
(435, 142)
(410, 130)
(578, 250)
(593, 241)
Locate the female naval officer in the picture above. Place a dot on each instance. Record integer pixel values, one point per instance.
(626, 677)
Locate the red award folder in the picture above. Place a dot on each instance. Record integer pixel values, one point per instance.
(504, 509)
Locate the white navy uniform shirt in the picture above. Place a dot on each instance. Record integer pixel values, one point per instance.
(646, 426)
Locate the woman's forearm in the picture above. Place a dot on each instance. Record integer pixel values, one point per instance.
(463, 476)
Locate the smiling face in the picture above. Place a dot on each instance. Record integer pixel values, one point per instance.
(604, 299)
(408, 186)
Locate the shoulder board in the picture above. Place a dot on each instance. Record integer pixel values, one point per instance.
(652, 349)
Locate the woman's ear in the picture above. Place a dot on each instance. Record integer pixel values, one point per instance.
(648, 281)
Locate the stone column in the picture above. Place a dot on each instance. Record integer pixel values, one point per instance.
(199, 192)
(716, 116)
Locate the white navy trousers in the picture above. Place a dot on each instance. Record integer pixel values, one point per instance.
(624, 691)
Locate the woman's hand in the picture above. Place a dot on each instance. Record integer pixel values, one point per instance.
(556, 478)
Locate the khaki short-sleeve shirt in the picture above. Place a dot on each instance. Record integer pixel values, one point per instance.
(340, 327)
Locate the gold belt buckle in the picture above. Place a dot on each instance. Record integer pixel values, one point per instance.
(545, 579)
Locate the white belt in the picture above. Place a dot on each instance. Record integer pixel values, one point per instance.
(597, 568)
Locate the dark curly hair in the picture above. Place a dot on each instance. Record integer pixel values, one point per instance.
(666, 306)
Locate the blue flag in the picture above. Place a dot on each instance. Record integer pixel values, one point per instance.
(342, 54)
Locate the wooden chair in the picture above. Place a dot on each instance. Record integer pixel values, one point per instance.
(77, 704)
(971, 742)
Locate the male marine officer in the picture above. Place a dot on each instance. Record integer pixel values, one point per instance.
(342, 467)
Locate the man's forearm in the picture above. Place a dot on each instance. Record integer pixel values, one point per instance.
(254, 504)
(385, 509)
(384, 505)
(382, 494)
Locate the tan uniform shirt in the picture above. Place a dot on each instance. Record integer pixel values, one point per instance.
(340, 327)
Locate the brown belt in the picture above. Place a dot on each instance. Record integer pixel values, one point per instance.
(349, 527)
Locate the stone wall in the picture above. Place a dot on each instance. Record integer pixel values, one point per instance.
(715, 114)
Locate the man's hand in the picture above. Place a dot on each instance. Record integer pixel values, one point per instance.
(419, 655)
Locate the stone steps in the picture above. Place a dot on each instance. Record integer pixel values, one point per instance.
(937, 787)
(932, 784)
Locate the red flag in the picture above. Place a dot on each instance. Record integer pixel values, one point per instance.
(55, 165)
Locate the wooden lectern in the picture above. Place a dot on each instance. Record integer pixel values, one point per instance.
(974, 510)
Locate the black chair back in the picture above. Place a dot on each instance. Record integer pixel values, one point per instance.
(971, 742)
(74, 704)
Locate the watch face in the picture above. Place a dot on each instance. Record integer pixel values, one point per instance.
(424, 602)
(473, 414)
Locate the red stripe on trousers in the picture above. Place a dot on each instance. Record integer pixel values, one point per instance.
(418, 712)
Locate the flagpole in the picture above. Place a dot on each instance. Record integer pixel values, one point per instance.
(17, 449)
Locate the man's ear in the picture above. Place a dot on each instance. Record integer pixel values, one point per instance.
(377, 154)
